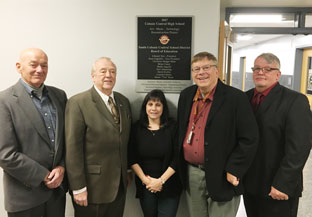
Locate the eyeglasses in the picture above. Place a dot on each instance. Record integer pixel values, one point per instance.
(264, 69)
(204, 68)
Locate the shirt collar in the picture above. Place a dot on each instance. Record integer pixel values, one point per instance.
(198, 95)
(31, 90)
(104, 96)
(265, 92)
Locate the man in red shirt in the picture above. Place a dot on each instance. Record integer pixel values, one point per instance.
(273, 183)
(217, 138)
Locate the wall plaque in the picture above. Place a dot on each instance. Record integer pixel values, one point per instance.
(164, 53)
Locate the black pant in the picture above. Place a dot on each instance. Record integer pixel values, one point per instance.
(113, 209)
(155, 206)
(54, 207)
(257, 206)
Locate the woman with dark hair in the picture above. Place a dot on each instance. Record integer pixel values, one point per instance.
(152, 158)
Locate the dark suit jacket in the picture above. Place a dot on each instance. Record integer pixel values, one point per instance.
(231, 137)
(285, 128)
(96, 148)
(26, 155)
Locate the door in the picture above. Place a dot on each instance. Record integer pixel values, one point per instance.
(306, 74)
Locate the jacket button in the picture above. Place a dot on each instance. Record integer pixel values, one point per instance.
(206, 143)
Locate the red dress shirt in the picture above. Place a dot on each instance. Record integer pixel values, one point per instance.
(194, 148)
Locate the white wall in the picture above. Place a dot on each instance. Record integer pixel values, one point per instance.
(75, 32)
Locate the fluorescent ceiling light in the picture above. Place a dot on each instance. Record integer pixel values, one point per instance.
(245, 37)
(256, 18)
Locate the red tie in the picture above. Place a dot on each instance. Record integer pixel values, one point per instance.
(257, 101)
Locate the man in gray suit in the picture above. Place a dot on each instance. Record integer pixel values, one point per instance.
(97, 128)
(32, 140)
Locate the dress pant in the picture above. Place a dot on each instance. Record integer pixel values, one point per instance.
(113, 209)
(257, 206)
(199, 202)
(153, 205)
(54, 207)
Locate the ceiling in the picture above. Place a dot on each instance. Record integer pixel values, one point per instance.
(253, 39)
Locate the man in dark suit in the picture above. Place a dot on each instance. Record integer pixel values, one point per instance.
(217, 140)
(274, 181)
(32, 140)
(97, 128)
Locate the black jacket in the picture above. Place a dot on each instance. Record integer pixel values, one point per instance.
(231, 138)
(285, 128)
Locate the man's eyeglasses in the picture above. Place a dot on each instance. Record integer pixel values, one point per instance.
(204, 68)
(264, 69)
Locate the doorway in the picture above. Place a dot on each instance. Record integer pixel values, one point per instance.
(306, 74)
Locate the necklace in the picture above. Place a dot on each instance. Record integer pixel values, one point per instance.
(153, 129)
(153, 132)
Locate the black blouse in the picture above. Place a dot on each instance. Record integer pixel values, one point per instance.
(154, 151)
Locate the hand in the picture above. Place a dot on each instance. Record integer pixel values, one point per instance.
(277, 195)
(129, 178)
(55, 177)
(46, 179)
(154, 185)
(146, 180)
(232, 179)
(82, 198)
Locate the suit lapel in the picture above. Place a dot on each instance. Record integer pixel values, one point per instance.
(59, 117)
(218, 99)
(268, 100)
(188, 108)
(27, 106)
(101, 107)
(122, 112)
(250, 94)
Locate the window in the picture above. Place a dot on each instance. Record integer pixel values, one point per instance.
(308, 20)
(270, 20)
(263, 20)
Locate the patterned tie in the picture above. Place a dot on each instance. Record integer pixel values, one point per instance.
(114, 109)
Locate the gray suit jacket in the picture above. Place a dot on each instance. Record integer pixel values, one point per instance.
(96, 148)
(26, 155)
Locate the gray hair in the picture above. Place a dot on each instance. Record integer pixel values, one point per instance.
(93, 69)
(270, 58)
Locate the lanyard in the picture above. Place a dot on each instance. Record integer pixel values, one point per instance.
(199, 107)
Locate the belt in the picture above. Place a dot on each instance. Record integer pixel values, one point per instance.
(199, 166)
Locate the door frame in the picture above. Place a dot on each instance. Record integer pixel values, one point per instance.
(298, 66)
(225, 53)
